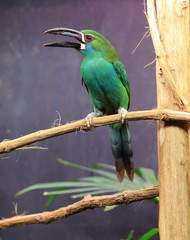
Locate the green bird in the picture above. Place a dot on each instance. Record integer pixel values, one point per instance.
(108, 87)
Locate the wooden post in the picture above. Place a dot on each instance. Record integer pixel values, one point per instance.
(170, 31)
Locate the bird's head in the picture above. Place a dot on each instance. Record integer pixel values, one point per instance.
(90, 43)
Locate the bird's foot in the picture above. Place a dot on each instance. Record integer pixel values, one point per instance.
(89, 118)
(123, 112)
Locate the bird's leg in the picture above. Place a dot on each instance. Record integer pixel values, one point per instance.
(90, 116)
(123, 112)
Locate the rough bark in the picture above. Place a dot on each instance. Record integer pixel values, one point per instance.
(156, 114)
(88, 202)
(169, 26)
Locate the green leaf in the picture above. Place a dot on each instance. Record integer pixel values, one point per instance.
(77, 190)
(103, 181)
(108, 166)
(148, 175)
(155, 200)
(94, 182)
(149, 234)
(92, 170)
(56, 185)
(91, 193)
(97, 179)
(108, 208)
(52, 197)
(130, 235)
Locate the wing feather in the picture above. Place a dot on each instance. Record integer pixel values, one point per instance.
(121, 72)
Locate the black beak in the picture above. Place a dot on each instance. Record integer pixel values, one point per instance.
(69, 33)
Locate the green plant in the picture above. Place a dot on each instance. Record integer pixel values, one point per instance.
(146, 236)
(103, 181)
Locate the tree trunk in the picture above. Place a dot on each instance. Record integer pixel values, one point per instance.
(173, 63)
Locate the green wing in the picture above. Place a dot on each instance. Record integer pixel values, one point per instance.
(120, 70)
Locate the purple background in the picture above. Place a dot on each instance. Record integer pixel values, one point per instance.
(36, 82)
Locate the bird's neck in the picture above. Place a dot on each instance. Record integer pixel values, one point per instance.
(90, 52)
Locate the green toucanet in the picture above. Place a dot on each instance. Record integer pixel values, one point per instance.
(108, 87)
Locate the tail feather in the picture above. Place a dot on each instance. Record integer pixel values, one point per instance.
(122, 150)
(120, 170)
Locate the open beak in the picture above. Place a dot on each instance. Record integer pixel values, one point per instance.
(69, 33)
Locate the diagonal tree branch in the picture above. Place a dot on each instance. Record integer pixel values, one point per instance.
(88, 202)
(156, 114)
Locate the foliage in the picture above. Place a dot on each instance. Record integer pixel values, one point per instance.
(102, 180)
(149, 234)
(130, 236)
(146, 236)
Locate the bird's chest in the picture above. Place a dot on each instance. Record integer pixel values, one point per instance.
(103, 84)
(97, 74)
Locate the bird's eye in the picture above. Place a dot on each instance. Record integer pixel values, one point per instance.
(89, 38)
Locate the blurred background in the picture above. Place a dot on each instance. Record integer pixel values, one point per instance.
(37, 82)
